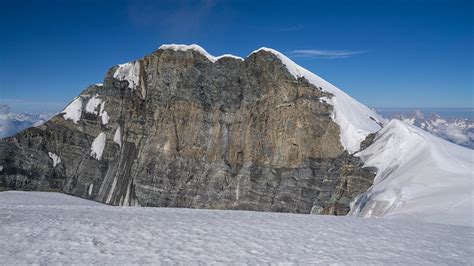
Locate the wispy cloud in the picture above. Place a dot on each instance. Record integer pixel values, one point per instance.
(176, 18)
(314, 53)
(290, 28)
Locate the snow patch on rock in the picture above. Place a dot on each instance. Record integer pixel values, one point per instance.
(118, 136)
(355, 119)
(105, 117)
(92, 104)
(98, 146)
(130, 72)
(56, 159)
(420, 176)
(73, 111)
(91, 186)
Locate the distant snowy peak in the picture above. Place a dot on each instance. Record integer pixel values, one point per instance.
(355, 119)
(456, 130)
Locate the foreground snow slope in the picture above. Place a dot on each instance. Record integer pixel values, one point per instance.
(419, 176)
(51, 228)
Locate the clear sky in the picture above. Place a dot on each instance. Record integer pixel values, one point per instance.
(413, 53)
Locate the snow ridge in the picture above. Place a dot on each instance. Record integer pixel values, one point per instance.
(197, 48)
(419, 176)
(355, 119)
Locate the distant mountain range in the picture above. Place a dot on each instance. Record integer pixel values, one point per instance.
(454, 125)
(11, 123)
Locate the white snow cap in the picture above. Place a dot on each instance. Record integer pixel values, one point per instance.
(355, 119)
(197, 48)
(98, 146)
(419, 176)
(56, 159)
(74, 110)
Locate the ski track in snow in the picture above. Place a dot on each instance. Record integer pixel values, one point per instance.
(53, 228)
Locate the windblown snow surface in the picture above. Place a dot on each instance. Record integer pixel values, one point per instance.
(420, 176)
(51, 228)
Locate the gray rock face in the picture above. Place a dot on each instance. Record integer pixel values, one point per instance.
(183, 131)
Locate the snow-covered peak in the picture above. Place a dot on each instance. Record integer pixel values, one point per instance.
(197, 48)
(355, 119)
(419, 176)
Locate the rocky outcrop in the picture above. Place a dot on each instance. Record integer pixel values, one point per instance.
(179, 129)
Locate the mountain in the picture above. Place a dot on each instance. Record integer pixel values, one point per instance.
(11, 123)
(453, 129)
(182, 128)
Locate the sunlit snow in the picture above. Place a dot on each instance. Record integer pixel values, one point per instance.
(420, 176)
(74, 110)
(118, 136)
(50, 228)
(98, 146)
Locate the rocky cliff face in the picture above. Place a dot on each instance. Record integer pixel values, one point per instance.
(179, 128)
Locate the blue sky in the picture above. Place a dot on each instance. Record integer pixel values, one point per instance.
(415, 53)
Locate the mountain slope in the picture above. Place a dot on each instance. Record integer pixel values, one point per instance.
(419, 176)
(182, 128)
(355, 119)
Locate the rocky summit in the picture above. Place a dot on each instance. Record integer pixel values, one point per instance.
(181, 128)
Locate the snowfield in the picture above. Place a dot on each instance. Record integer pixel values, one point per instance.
(420, 176)
(52, 228)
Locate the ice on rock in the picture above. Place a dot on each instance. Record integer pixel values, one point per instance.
(56, 159)
(73, 111)
(92, 104)
(98, 146)
(105, 117)
(118, 136)
(130, 72)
